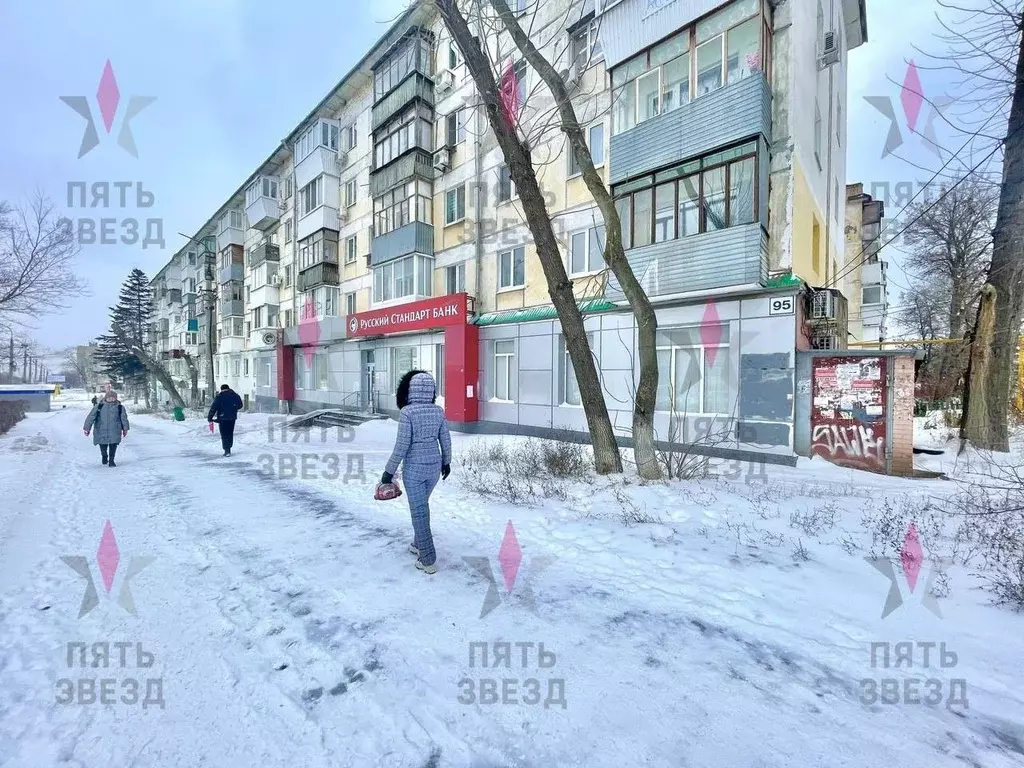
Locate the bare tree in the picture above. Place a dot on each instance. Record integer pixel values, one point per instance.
(614, 254)
(986, 48)
(518, 158)
(37, 254)
(72, 362)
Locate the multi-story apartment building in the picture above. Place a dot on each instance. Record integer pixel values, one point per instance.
(385, 232)
(866, 285)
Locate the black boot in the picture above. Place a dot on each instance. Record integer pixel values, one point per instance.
(103, 453)
(113, 450)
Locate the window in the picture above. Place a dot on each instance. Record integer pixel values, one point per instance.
(300, 374)
(191, 258)
(311, 196)
(512, 268)
(586, 251)
(817, 132)
(595, 142)
(350, 249)
(872, 294)
(584, 47)
(288, 319)
(287, 230)
(454, 59)
(439, 369)
(403, 360)
(350, 303)
(245, 366)
(409, 276)
(693, 377)
(455, 127)
(287, 188)
(455, 279)
(519, 71)
(412, 129)
(287, 275)
(257, 317)
(415, 54)
(723, 49)
(504, 371)
(322, 134)
(455, 205)
(350, 137)
(350, 193)
(319, 248)
(321, 370)
(568, 387)
(404, 205)
(191, 338)
(506, 187)
(703, 195)
(236, 367)
(263, 373)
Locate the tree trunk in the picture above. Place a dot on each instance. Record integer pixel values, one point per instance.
(154, 367)
(974, 420)
(645, 401)
(1005, 272)
(606, 452)
(193, 375)
(210, 336)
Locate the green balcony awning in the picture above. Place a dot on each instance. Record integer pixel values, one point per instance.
(547, 312)
(193, 325)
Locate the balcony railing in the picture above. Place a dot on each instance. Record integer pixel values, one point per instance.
(232, 308)
(317, 275)
(174, 296)
(233, 273)
(416, 85)
(416, 164)
(265, 251)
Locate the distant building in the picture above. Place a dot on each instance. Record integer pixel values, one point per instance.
(864, 282)
(89, 367)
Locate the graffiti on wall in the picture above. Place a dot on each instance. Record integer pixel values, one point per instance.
(848, 412)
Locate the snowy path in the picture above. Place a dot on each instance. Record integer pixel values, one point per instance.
(290, 629)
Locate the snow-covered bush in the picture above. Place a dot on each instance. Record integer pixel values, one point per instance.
(525, 471)
(817, 521)
(10, 414)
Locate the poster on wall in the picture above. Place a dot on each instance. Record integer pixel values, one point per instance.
(849, 390)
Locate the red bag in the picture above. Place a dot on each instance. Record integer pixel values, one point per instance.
(387, 492)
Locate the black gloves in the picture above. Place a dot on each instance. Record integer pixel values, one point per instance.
(445, 471)
(385, 478)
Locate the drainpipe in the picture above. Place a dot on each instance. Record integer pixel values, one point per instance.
(828, 164)
(478, 170)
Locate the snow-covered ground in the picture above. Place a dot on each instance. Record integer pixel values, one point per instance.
(691, 623)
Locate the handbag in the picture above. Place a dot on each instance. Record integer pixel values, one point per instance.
(387, 491)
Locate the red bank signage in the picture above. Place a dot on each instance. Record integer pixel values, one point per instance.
(415, 316)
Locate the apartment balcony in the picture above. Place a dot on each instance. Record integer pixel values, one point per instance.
(232, 308)
(264, 295)
(726, 257)
(324, 217)
(173, 296)
(262, 206)
(233, 273)
(188, 298)
(232, 344)
(231, 230)
(416, 86)
(732, 113)
(416, 164)
(873, 273)
(416, 237)
(317, 275)
(321, 160)
(265, 251)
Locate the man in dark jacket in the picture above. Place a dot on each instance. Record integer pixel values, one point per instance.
(224, 410)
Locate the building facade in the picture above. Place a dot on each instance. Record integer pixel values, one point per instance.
(864, 281)
(385, 232)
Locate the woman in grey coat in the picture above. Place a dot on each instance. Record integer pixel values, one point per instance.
(424, 449)
(108, 422)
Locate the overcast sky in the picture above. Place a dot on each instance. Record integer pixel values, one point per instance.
(232, 78)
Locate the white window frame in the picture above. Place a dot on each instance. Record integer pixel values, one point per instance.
(350, 303)
(590, 256)
(351, 249)
(509, 358)
(513, 192)
(351, 192)
(455, 191)
(287, 230)
(511, 254)
(574, 170)
(460, 278)
(673, 349)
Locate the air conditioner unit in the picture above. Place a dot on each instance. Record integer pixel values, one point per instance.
(443, 159)
(275, 280)
(444, 82)
(823, 305)
(342, 215)
(571, 76)
(830, 49)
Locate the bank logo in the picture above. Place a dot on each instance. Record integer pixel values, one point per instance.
(510, 558)
(353, 324)
(913, 101)
(911, 563)
(108, 98)
(108, 558)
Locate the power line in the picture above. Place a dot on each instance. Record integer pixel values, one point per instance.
(860, 259)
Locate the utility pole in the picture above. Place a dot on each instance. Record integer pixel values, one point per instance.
(24, 362)
(10, 369)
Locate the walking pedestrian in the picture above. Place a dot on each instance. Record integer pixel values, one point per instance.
(225, 408)
(424, 449)
(108, 423)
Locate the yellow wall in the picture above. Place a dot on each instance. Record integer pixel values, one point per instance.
(806, 214)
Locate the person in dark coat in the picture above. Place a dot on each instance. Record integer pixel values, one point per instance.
(108, 423)
(424, 449)
(224, 411)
